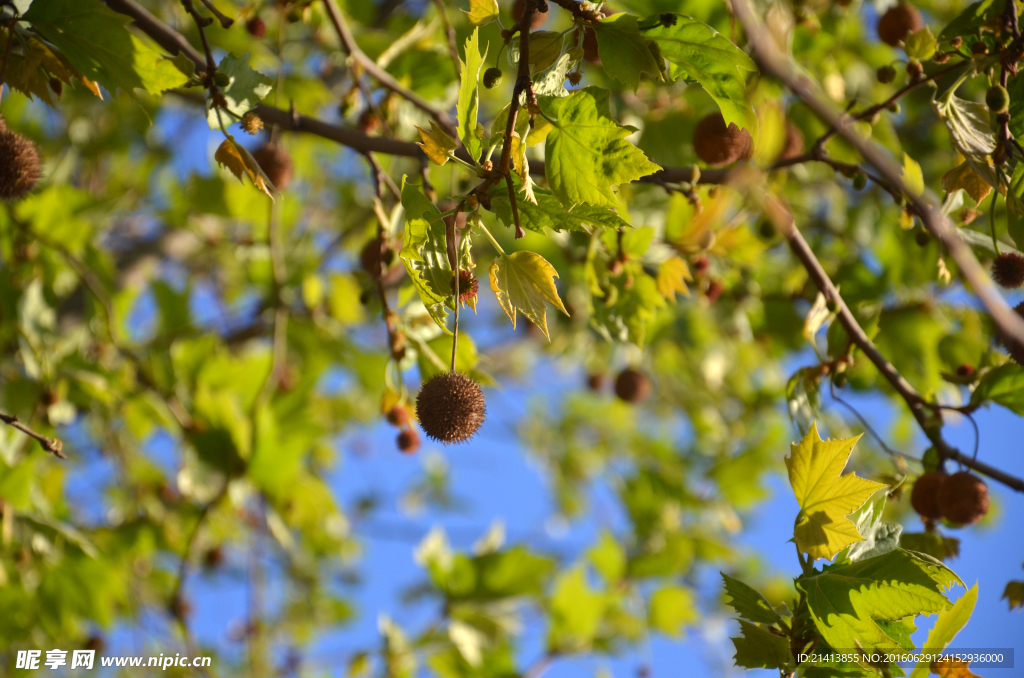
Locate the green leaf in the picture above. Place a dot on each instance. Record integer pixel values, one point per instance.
(587, 153)
(96, 41)
(912, 175)
(702, 55)
(968, 124)
(846, 601)
(825, 497)
(879, 537)
(626, 317)
(624, 51)
(245, 89)
(672, 608)
(1003, 385)
(971, 19)
(748, 602)
(946, 627)
(920, 45)
(548, 213)
(524, 281)
(482, 12)
(576, 612)
(425, 252)
(758, 648)
(469, 96)
(609, 558)
(933, 544)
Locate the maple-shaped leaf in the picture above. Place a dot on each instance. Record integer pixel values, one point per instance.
(748, 602)
(482, 12)
(239, 161)
(951, 667)
(673, 275)
(822, 529)
(587, 153)
(245, 89)
(469, 96)
(624, 50)
(524, 281)
(946, 627)
(856, 605)
(425, 253)
(758, 648)
(699, 53)
(96, 41)
(437, 144)
(963, 176)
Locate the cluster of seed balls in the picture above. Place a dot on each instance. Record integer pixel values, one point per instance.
(960, 499)
(19, 164)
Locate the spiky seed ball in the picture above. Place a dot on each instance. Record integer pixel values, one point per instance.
(275, 163)
(886, 74)
(717, 144)
(408, 441)
(632, 385)
(1008, 270)
(468, 286)
(256, 26)
(213, 558)
(925, 495)
(252, 123)
(398, 416)
(896, 24)
(997, 99)
(538, 17)
(369, 257)
(451, 408)
(966, 371)
(794, 145)
(922, 238)
(963, 498)
(575, 77)
(19, 164)
(1012, 346)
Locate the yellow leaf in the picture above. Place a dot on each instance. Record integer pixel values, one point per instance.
(912, 175)
(524, 281)
(239, 161)
(822, 529)
(672, 277)
(963, 176)
(482, 12)
(437, 144)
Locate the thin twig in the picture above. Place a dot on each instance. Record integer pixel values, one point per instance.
(225, 21)
(378, 73)
(52, 445)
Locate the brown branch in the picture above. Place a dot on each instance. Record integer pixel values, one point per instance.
(453, 47)
(773, 63)
(378, 73)
(225, 21)
(923, 411)
(52, 445)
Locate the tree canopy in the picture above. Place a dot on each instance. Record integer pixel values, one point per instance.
(235, 232)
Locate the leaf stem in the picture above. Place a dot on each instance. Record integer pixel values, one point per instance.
(491, 238)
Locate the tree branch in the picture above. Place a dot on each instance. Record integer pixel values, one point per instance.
(378, 73)
(783, 221)
(773, 63)
(52, 445)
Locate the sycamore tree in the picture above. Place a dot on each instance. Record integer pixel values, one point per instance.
(674, 206)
